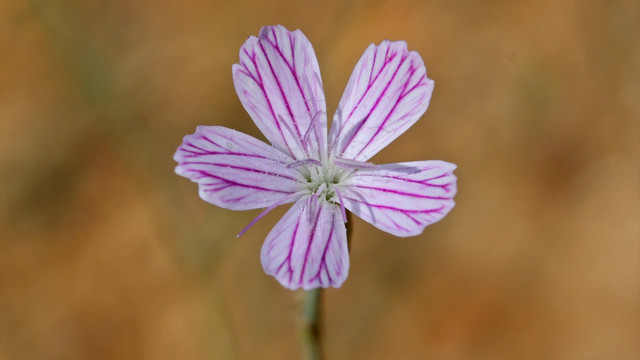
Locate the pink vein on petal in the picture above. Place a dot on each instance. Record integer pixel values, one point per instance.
(375, 110)
(281, 59)
(234, 170)
(305, 251)
(401, 198)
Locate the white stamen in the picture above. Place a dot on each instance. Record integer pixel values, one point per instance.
(346, 163)
(304, 162)
(315, 125)
(293, 134)
(312, 99)
(314, 120)
(341, 201)
(313, 201)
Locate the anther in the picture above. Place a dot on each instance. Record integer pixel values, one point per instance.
(304, 162)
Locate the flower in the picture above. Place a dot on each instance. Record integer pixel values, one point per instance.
(322, 173)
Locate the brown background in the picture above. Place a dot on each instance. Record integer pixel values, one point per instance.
(107, 254)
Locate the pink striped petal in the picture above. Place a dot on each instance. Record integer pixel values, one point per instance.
(387, 92)
(234, 170)
(308, 247)
(402, 198)
(278, 82)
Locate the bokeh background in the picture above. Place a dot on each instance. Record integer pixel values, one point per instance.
(107, 254)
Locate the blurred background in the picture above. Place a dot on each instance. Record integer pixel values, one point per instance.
(107, 254)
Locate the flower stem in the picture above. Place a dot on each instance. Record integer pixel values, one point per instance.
(310, 334)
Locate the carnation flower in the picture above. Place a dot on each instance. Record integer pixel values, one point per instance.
(323, 173)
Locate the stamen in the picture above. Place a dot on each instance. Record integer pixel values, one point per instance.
(314, 200)
(267, 210)
(317, 76)
(304, 162)
(294, 135)
(310, 203)
(310, 91)
(315, 114)
(314, 120)
(341, 201)
(337, 119)
(346, 163)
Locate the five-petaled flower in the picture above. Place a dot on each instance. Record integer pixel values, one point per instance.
(322, 173)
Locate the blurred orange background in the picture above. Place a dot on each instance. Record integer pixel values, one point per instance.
(107, 254)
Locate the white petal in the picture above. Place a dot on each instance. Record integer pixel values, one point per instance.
(403, 198)
(308, 247)
(387, 93)
(278, 82)
(234, 170)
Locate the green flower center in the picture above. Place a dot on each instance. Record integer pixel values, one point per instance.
(322, 181)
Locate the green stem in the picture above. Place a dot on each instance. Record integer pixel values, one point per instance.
(311, 336)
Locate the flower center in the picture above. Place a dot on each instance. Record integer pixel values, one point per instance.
(322, 180)
(322, 183)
